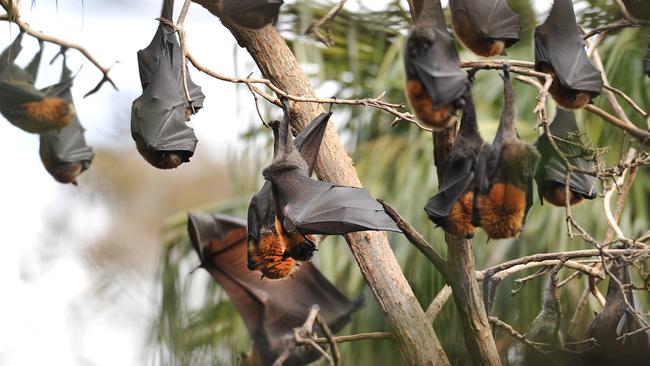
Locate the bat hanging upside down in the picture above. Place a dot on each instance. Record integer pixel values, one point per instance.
(503, 203)
(551, 174)
(291, 206)
(65, 153)
(23, 105)
(159, 115)
(486, 27)
(452, 206)
(560, 52)
(435, 84)
(270, 309)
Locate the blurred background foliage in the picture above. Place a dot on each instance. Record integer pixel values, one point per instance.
(196, 324)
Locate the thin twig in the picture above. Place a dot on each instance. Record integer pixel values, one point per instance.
(325, 23)
(510, 330)
(180, 23)
(629, 100)
(627, 14)
(15, 18)
(612, 27)
(336, 353)
(357, 337)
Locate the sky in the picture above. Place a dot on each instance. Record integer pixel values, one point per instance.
(44, 312)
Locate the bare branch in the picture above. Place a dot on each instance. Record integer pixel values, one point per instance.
(336, 354)
(520, 337)
(325, 23)
(357, 337)
(629, 100)
(612, 27)
(641, 135)
(438, 302)
(417, 240)
(627, 14)
(15, 18)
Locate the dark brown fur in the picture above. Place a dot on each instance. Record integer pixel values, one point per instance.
(564, 97)
(440, 118)
(159, 159)
(557, 196)
(472, 39)
(66, 173)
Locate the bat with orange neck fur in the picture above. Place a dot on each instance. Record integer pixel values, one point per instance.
(30, 109)
(560, 51)
(270, 309)
(551, 173)
(435, 84)
(159, 115)
(486, 27)
(65, 153)
(283, 216)
(507, 194)
(451, 207)
(269, 247)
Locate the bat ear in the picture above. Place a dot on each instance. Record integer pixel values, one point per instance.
(309, 140)
(197, 224)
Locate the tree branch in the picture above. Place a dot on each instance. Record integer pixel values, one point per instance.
(414, 335)
(325, 22)
(417, 240)
(461, 273)
(15, 18)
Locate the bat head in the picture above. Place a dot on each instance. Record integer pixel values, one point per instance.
(267, 255)
(65, 173)
(161, 159)
(252, 14)
(301, 247)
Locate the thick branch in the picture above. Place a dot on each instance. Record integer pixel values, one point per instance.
(461, 273)
(414, 335)
(418, 240)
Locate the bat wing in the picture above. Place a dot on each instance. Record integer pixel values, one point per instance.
(316, 207)
(14, 93)
(32, 67)
(559, 44)
(270, 309)
(308, 141)
(158, 115)
(9, 54)
(552, 168)
(438, 69)
(458, 175)
(67, 145)
(492, 18)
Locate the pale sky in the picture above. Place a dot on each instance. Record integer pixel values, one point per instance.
(43, 312)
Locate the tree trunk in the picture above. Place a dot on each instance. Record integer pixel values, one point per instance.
(414, 334)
